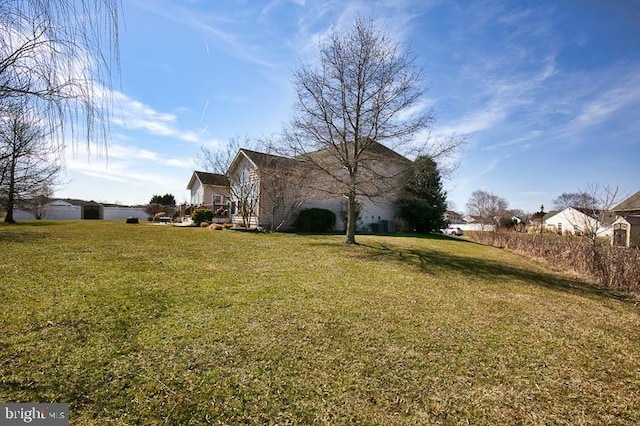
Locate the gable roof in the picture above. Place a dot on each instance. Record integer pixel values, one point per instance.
(261, 159)
(630, 219)
(604, 217)
(77, 202)
(631, 203)
(207, 178)
(383, 151)
(375, 150)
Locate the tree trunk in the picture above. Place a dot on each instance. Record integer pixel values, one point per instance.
(352, 213)
(9, 216)
(12, 188)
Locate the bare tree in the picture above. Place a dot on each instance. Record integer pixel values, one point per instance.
(595, 203)
(573, 199)
(218, 160)
(29, 159)
(39, 203)
(488, 207)
(244, 187)
(364, 91)
(58, 56)
(284, 190)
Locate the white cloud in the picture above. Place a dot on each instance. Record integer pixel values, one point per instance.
(476, 121)
(501, 97)
(610, 102)
(119, 158)
(131, 114)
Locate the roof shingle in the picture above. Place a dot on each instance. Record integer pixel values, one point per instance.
(630, 204)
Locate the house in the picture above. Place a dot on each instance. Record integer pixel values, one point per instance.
(211, 191)
(454, 218)
(268, 190)
(626, 227)
(74, 209)
(578, 222)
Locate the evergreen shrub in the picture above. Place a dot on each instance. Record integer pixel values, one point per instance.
(315, 220)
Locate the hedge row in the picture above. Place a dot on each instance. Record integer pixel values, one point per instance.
(615, 268)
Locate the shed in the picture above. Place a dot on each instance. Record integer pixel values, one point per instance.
(626, 231)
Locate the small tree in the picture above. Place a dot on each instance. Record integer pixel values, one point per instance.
(422, 201)
(201, 215)
(244, 187)
(488, 207)
(29, 159)
(285, 189)
(38, 204)
(161, 203)
(165, 200)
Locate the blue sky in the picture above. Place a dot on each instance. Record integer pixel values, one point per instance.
(549, 91)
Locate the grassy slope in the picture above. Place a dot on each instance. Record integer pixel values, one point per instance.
(142, 324)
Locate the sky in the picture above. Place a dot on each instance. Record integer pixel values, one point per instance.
(548, 92)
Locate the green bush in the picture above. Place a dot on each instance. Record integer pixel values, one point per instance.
(315, 220)
(201, 215)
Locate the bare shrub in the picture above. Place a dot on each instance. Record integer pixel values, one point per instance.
(615, 268)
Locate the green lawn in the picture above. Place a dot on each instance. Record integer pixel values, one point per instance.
(141, 324)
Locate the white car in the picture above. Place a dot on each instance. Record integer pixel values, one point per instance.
(452, 230)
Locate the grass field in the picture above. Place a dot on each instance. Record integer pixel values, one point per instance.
(141, 324)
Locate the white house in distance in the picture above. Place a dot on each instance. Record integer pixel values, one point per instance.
(577, 222)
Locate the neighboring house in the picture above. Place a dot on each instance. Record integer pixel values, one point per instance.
(626, 227)
(466, 222)
(273, 189)
(474, 223)
(211, 191)
(73, 209)
(578, 222)
(454, 218)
